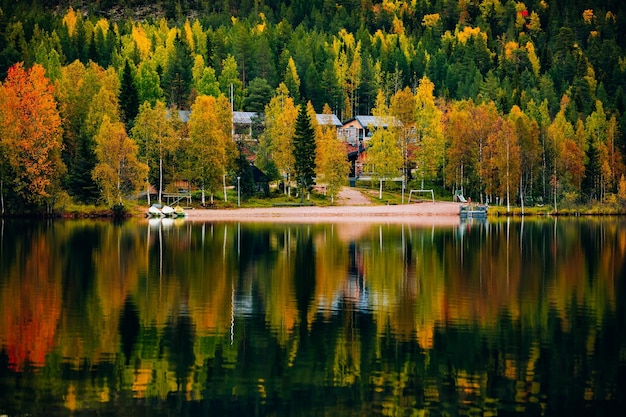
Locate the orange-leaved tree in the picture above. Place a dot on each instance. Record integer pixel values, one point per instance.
(30, 136)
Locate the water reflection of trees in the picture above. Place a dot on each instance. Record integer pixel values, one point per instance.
(394, 317)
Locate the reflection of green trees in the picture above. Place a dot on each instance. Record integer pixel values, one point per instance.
(274, 318)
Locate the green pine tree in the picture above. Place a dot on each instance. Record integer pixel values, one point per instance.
(304, 149)
(129, 96)
(591, 181)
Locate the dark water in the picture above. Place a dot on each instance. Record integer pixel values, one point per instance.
(353, 319)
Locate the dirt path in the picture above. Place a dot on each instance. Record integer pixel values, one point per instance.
(349, 196)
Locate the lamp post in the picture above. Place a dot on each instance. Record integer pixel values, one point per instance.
(238, 192)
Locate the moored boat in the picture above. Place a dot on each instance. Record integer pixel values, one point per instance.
(154, 211)
(473, 210)
(167, 211)
(179, 211)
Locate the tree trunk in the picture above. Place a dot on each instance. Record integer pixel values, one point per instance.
(224, 182)
(508, 181)
(521, 194)
(119, 182)
(160, 178)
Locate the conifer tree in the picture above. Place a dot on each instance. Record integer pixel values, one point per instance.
(129, 96)
(592, 179)
(304, 149)
(178, 76)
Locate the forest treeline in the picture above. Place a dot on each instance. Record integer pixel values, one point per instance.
(509, 101)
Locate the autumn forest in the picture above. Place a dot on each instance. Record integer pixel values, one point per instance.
(510, 101)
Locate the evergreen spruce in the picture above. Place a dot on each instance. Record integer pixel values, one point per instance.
(177, 78)
(591, 181)
(304, 149)
(129, 96)
(244, 172)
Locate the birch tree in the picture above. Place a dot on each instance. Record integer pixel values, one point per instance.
(118, 170)
(430, 151)
(154, 132)
(403, 108)
(280, 128)
(384, 155)
(332, 162)
(209, 134)
(504, 160)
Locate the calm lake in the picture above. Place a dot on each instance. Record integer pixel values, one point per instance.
(179, 318)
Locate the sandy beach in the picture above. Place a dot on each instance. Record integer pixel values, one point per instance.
(352, 207)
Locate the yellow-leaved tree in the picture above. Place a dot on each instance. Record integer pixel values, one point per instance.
(211, 144)
(280, 127)
(568, 157)
(403, 108)
(118, 170)
(428, 131)
(155, 133)
(504, 159)
(384, 153)
(332, 162)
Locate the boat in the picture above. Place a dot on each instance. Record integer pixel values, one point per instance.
(179, 211)
(167, 211)
(474, 211)
(154, 211)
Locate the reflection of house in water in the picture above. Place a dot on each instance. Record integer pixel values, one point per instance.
(353, 294)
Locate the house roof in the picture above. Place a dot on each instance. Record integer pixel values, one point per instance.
(243, 117)
(375, 121)
(258, 175)
(183, 115)
(239, 117)
(328, 120)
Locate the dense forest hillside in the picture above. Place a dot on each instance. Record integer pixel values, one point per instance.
(506, 99)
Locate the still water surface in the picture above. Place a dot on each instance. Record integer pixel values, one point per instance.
(345, 319)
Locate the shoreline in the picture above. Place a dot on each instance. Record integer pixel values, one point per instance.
(423, 213)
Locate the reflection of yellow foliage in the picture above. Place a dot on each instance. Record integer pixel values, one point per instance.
(588, 16)
(510, 369)
(425, 335)
(346, 368)
(70, 398)
(468, 383)
(141, 380)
